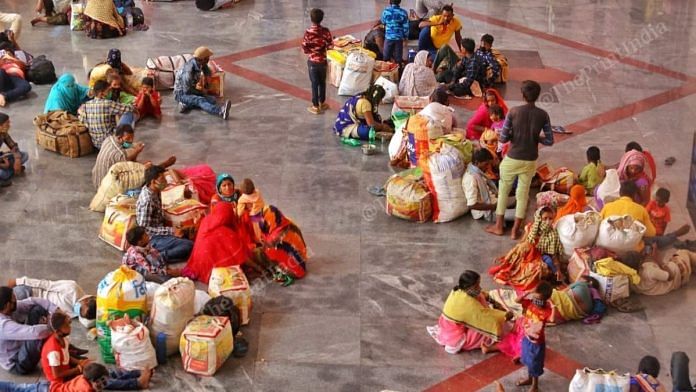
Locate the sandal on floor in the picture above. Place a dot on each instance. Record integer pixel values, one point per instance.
(627, 305)
(560, 129)
(378, 191)
(670, 161)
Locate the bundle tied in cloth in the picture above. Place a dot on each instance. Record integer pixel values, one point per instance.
(61, 132)
(122, 176)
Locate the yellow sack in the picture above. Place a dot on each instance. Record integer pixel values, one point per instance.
(122, 291)
(233, 284)
(336, 56)
(611, 267)
(121, 177)
(205, 344)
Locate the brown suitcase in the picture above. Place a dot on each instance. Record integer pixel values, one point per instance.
(63, 133)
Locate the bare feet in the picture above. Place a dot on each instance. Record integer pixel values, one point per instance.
(516, 229)
(499, 387)
(682, 230)
(494, 229)
(3, 102)
(488, 349)
(144, 379)
(35, 21)
(524, 382)
(170, 161)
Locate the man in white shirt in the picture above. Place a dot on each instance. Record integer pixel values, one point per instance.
(481, 193)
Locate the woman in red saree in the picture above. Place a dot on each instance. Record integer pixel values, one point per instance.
(221, 242)
(481, 120)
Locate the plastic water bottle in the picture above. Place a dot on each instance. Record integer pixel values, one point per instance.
(371, 136)
(350, 141)
(411, 55)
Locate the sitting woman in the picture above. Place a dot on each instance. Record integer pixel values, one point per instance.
(225, 191)
(374, 40)
(418, 78)
(438, 109)
(55, 12)
(467, 320)
(481, 119)
(444, 63)
(533, 259)
(13, 85)
(360, 113)
(131, 78)
(66, 95)
(576, 203)
(634, 167)
(102, 20)
(221, 242)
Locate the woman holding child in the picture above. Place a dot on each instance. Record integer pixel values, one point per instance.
(481, 119)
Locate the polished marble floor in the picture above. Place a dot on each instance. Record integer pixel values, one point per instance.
(614, 71)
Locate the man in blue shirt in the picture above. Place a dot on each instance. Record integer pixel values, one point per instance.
(395, 20)
(485, 56)
(467, 71)
(190, 86)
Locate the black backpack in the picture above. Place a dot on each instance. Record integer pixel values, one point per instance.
(41, 71)
(224, 307)
(138, 16)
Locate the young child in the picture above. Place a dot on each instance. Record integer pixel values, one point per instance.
(536, 312)
(659, 211)
(250, 200)
(317, 39)
(145, 259)
(646, 377)
(148, 100)
(57, 363)
(116, 92)
(11, 162)
(593, 173)
(545, 238)
(96, 377)
(396, 25)
(495, 113)
(489, 141)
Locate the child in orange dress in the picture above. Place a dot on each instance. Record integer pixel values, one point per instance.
(148, 100)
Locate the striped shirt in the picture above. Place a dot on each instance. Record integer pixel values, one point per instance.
(148, 213)
(111, 152)
(99, 115)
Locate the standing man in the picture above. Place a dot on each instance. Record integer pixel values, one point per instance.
(190, 86)
(395, 21)
(522, 128)
(437, 31)
(148, 213)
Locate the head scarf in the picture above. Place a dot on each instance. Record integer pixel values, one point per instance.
(576, 203)
(375, 93)
(104, 11)
(114, 58)
(220, 178)
(634, 157)
(66, 95)
(418, 79)
(544, 236)
(498, 98)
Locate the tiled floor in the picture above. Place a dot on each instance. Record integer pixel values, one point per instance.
(357, 321)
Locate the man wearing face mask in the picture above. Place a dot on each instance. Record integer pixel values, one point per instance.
(119, 147)
(190, 86)
(20, 344)
(485, 56)
(148, 213)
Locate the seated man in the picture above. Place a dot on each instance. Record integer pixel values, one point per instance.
(145, 259)
(190, 86)
(468, 71)
(481, 193)
(485, 56)
(65, 294)
(428, 8)
(437, 31)
(12, 162)
(99, 114)
(20, 335)
(167, 240)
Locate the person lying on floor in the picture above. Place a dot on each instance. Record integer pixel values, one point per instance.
(169, 241)
(661, 277)
(99, 115)
(13, 83)
(55, 12)
(120, 147)
(67, 295)
(145, 259)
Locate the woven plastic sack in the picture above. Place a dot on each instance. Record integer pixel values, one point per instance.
(578, 230)
(173, 307)
(408, 197)
(620, 234)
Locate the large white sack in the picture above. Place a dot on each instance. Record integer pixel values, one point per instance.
(578, 230)
(620, 234)
(357, 74)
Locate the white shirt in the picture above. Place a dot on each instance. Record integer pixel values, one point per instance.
(62, 293)
(471, 192)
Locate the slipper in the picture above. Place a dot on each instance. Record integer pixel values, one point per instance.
(560, 129)
(627, 305)
(670, 161)
(378, 191)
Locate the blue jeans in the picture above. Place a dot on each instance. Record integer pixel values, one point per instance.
(205, 102)
(123, 380)
(172, 248)
(317, 75)
(41, 386)
(128, 119)
(425, 42)
(13, 87)
(394, 50)
(6, 174)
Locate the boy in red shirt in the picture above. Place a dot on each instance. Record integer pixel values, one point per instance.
(537, 311)
(317, 39)
(57, 363)
(148, 100)
(659, 211)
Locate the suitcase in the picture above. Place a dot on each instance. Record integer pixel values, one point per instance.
(118, 219)
(63, 133)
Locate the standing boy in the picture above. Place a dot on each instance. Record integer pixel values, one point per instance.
(317, 39)
(395, 20)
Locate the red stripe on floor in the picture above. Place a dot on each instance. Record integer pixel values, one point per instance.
(275, 84)
(494, 368)
(295, 43)
(613, 56)
(478, 376)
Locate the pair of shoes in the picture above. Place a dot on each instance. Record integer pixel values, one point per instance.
(314, 110)
(183, 108)
(226, 110)
(324, 106)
